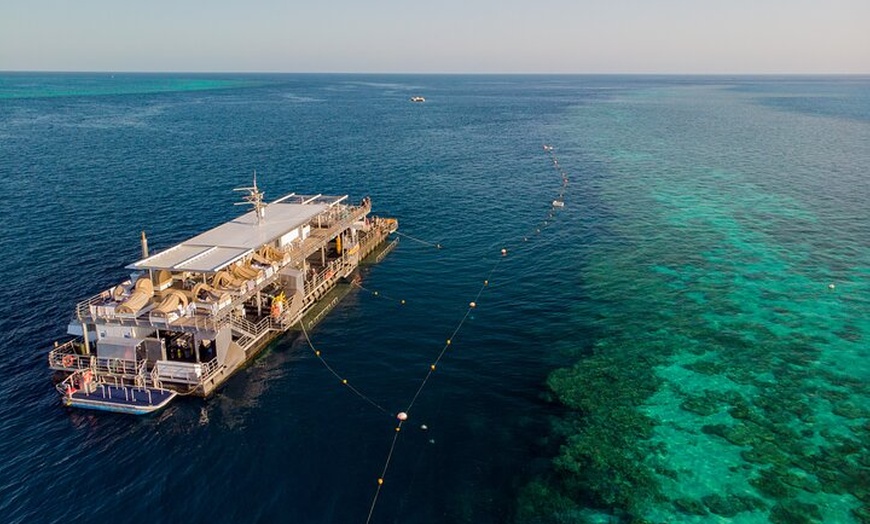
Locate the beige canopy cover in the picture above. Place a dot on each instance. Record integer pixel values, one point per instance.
(142, 293)
(171, 301)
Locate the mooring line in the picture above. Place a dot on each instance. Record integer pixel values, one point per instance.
(403, 416)
(378, 293)
(343, 380)
(424, 242)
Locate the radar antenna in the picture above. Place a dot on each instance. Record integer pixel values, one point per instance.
(255, 198)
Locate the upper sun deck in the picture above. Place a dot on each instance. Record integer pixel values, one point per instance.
(218, 248)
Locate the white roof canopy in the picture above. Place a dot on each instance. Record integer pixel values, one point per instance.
(217, 248)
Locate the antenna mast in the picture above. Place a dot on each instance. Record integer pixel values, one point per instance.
(255, 198)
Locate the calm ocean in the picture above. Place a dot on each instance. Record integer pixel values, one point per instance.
(687, 340)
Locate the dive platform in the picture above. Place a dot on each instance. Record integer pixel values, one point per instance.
(190, 316)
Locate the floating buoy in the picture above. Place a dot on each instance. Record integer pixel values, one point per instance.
(375, 293)
(486, 282)
(380, 482)
(424, 427)
(403, 301)
(472, 305)
(402, 416)
(503, 251)
(831, 286)
(438, 246)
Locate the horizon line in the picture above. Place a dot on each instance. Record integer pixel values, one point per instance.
(430, 73)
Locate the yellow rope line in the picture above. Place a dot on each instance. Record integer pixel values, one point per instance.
(339, 377)
(378, 293)
(424, 242)
(472, 305)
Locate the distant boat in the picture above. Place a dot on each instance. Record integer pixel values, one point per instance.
(558, 203)
(417, 99)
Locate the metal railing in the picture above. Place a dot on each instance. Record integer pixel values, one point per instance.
(120, 367)
(337, 219)
(184, 372)
(251, 330)
(66, 357)
(83, 308)
(209, 369)
(333, 270)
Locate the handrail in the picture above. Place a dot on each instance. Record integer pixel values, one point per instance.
(249, 328)
(338, 219)
(209, 368)
(331, 272)
(64, 357)
(83, 308)
(119, 367)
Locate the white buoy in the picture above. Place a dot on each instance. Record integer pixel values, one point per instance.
(424, 427)
(472, 305)
(402, 416)
(831, 286)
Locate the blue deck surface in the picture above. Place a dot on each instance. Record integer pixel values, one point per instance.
(122, 399)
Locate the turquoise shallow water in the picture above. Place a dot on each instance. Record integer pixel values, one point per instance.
(739, 293)
(667, 347)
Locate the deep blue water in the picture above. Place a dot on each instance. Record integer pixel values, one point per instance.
(705, 219)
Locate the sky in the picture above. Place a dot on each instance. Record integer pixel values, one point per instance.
(445, 36)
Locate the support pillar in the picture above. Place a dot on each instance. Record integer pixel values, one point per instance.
(85, 337)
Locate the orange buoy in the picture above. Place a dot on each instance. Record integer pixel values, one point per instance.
(68, 361)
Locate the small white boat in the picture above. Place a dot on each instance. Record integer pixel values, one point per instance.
(417, 99)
